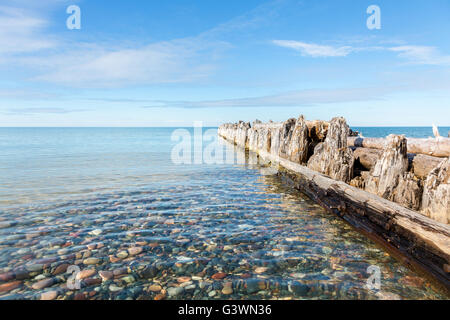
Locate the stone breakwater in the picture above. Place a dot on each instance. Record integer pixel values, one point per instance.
(400, 198)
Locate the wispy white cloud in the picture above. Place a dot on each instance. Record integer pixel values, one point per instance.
(262, 14)
(395, 83)
(26, 94)
(20, 31)
(43, 57)
(315, 50)
(295, 98)
(28, 48)
(43, 110)
(113, 64)
(426, 55)
(174, 61)
(422, 55)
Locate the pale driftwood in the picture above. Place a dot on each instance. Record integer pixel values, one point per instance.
(424, 241)
(421, 164)
(390, 178)
(436, 195)
(297, 150)
(332, 157)
(367, 157)
(432, 146)
(318, 129)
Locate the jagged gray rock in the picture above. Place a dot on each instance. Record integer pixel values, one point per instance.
(263, 137)
(436, 193)
(390, 178)
(392, 164)
(242, 133)
(275, 139)
(285, 137)
(409, 192)
(360, 181)
(297, 150)
(318, 130)
(228, 130)
(252, 138)
(332, 157)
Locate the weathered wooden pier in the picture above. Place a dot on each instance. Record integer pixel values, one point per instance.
(395, 190)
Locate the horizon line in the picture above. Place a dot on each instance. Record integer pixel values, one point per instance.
(206, 126)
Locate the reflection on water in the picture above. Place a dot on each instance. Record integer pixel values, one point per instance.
(141, 228)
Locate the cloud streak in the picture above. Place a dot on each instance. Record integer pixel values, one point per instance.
(113, 64)
(422, 55)
(176, 61)
(51, 59)
(397, 83)
(296, 98)
(43, 111)
(315, 50)
(20, 32)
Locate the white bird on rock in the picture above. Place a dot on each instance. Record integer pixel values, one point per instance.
(436, 133)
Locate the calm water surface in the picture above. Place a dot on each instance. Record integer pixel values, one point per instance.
(413, 132)
(112, 203)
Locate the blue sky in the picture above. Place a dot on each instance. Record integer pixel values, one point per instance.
(170, 63)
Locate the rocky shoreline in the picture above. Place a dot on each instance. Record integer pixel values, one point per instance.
(399, 197)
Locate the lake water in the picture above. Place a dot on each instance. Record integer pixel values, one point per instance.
(112, 204)
(412, 132)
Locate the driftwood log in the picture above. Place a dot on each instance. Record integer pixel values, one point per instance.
(367, 157)
(421, 164)
(431, 147)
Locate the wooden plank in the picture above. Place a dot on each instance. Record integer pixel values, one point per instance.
(421, 164)
(431, 147)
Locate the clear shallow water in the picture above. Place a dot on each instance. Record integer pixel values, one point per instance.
(111, 202)
(412, 132)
